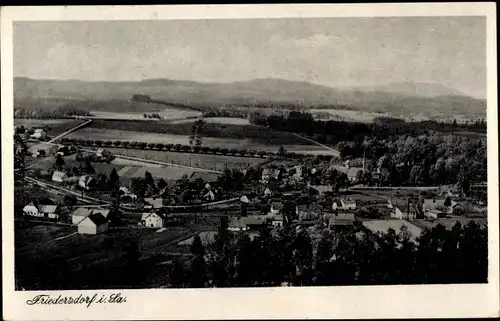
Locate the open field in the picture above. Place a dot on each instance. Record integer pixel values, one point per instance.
(125, 170)
(214, 162)
(54, 126)
(448, 223)
(216, 120)
(166, 113)
(125, 135)
(257, 134)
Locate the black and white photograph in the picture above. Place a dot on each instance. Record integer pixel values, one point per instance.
(250, 153)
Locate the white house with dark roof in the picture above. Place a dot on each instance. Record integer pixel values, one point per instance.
(93, 224)
(32, 210)
(50, 211)
(153, 220)
(59, 176)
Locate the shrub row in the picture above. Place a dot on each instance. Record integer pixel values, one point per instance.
(182, 148)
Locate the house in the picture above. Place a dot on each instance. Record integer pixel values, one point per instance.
(345, 204)
(156, 220)
(308, 211)
(237, 224)
(277, 221)
(403, 210)
(340, 220)
(268, 193)
(87, 182)
(79, 214)
(50, 211)
(275, 208)
(244, 199)
(32, 210)
(93, 224)
(266, 175)
(437, 206)
(246, 223)
(154, 203)
(298, 171)
(59, 176)
(209, 196)
(82, 212)
(39, 134)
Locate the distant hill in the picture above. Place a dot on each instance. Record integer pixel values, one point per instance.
(427, 90)
(405, 99)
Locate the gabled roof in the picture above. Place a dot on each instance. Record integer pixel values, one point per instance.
(97, 219)
(342, 219)
(48, 208)
(103, 211)
(433, 204)
(146, 215)
(348, 201)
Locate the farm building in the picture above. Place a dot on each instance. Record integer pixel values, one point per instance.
(59, 176)
(154, 203)
(32, 210)
(277, 221)
(404, 210)
(246, 223)
(87, 182)
(340, 220)
(275, 208)
(81, 213)
(308, 211)
(344, 204)
(93, 224)
(438, 206)
(153, 220)
(209, 196)
(39, 134)
(50, 211)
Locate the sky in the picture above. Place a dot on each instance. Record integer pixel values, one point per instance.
(336, 52)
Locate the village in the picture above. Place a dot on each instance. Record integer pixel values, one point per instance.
(314, 195)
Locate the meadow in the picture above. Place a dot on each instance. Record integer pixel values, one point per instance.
(54, 127)
(213, 162)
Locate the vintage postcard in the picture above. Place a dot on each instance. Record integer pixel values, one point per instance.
(250, 161)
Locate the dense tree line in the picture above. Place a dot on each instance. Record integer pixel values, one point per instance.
(335, 131)
(53, 113)
(295, 258)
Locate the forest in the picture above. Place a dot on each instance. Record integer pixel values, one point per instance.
(294, 258)
(418, 154)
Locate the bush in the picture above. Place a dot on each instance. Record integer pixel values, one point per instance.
(168, 146)
(224, 151)
(234, 151)
(125, 144)
(132, 144)
(159, 146)
(177, 146)
(98, 142)
(107, 143)
(185, 148)
(205, 149)
(151, 145)
(142, 145)
(196, 149)
(117, 143)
